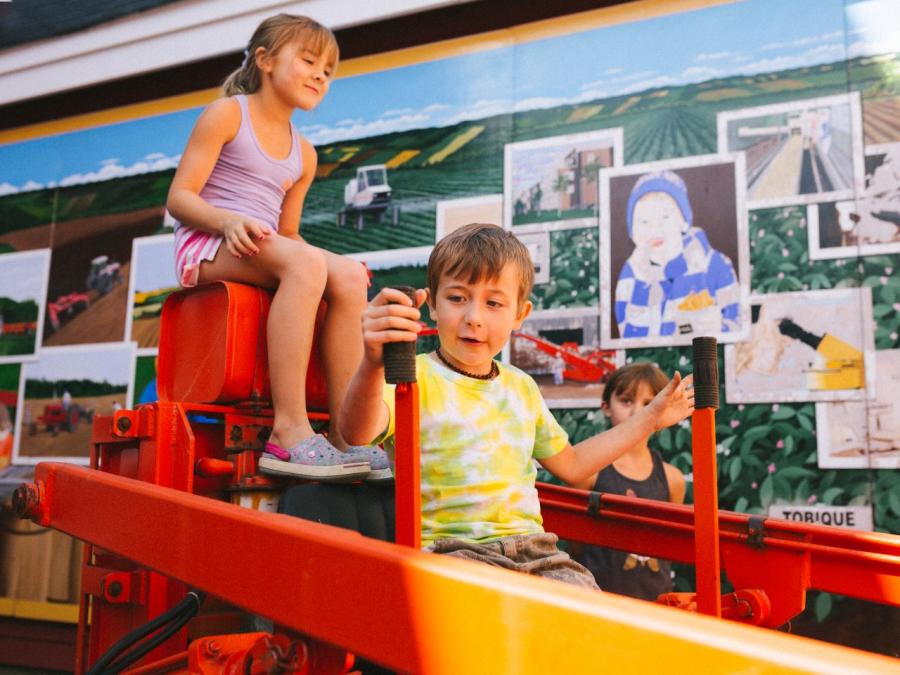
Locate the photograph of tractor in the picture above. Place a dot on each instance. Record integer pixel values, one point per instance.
(57, 416)
(368, 193)
(103, 275)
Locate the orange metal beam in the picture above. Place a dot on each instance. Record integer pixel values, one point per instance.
(398, 606)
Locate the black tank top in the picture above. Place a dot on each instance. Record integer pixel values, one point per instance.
(628, 573)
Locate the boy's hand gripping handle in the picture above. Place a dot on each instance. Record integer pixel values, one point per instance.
(400, 357)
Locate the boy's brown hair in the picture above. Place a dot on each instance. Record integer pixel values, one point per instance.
(273, 34)
(625, 380)
(477, 251)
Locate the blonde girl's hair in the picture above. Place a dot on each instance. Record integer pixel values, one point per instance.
(478, 251)
(273, 34)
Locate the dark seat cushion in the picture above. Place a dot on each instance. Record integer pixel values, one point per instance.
(367, 508)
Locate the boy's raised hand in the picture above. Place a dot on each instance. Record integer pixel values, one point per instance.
(674, 402)
(390, 317)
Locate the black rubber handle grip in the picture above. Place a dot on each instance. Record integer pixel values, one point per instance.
(400, 357)
(706, 373)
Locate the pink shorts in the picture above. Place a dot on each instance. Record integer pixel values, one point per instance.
(192, 247)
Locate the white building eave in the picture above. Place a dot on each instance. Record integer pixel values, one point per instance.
(191, 30)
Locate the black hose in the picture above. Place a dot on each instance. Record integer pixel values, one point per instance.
(152, 643)
(192, 599)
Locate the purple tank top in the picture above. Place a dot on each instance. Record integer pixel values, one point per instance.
(247, 180)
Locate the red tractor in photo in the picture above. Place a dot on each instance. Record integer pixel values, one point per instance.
(57, 416)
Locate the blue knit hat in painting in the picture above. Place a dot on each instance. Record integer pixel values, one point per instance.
(661, 181)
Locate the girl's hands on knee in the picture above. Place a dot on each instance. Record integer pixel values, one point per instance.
(240, 232)
(390, 317)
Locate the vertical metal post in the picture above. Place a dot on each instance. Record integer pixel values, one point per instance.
(706, 497)
(408, 495)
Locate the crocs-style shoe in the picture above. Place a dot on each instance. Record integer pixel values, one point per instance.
(313, 458)
(378, 460)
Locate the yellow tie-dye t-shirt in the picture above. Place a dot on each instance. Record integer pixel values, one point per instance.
(478, 438)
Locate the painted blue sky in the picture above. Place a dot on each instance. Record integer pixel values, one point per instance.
(750, 36)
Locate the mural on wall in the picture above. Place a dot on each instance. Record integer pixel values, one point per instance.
(797, 152)
(60, 394)
(563, 355)
(867, 225)
(808, 103)
(23, 280)
(152, 280)
(451, 214)
(806, 346)
(675, 253)
(864, 434)
(9, 399)
(551, 183)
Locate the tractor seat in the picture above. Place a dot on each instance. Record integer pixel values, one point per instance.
(212, 347)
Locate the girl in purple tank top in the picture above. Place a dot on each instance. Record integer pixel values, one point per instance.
(237, 196)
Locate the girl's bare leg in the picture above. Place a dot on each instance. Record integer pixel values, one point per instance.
(342, 344)
(297, 273)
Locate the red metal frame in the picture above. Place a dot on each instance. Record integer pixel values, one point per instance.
(160, 473)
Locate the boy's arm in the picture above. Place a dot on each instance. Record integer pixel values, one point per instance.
(390, 317)
(576, 464)
(675, 479)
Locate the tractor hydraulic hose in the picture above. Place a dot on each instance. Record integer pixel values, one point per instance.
(188, 606)
(152, 643)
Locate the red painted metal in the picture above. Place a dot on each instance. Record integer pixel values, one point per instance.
(706, 508)
(407, 494)
(782, 558)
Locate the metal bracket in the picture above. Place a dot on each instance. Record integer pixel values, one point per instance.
(593, 508)
(756, 532)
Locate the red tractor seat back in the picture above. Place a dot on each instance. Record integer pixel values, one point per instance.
(212, 347)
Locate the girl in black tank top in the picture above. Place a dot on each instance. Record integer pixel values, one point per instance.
(640, 472)
(629, 573)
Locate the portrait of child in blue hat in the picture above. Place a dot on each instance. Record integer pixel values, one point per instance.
(674, 282)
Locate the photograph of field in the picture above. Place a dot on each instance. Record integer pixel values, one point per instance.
(152, 280)
(563, 356)
(454, 213)
(864, 434)
(23, 287)
(799, 152)
(804, 346)
(867, 225)
(673, 237)
(144, 380)
(553, 181)
(9, 398)
(60, 394)
(87, 299)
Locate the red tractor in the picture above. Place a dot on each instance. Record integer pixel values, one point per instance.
(56, 417)
(65, 307)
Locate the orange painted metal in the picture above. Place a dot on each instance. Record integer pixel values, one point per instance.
(407, 494)
(706, 508)
(213, 347)
(403, 608)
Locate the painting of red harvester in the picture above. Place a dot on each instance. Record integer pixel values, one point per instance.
(563, 356)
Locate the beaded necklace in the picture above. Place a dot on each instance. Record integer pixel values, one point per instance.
(495, 370)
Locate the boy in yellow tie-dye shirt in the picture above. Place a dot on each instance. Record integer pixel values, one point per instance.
(482, 422)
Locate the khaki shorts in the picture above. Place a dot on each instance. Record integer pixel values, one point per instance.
(535, 554)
